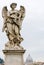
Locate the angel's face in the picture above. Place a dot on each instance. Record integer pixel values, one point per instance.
(13, 6)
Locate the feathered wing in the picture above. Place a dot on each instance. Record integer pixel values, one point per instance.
(4, 15)
(4, 11)
(22, 15)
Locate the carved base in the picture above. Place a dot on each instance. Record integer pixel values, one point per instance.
(14, 57)
(13, 54)
(12, 46)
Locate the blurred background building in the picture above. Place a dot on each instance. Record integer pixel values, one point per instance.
(29, 61)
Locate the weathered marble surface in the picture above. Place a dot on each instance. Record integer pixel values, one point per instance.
(12, 23)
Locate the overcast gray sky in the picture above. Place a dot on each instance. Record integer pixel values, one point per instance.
(32, 28)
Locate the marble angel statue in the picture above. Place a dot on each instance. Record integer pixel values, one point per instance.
(12, 23)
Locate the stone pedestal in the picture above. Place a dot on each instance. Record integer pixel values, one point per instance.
(14, 57)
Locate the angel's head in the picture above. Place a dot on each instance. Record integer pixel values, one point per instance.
(13, 5)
